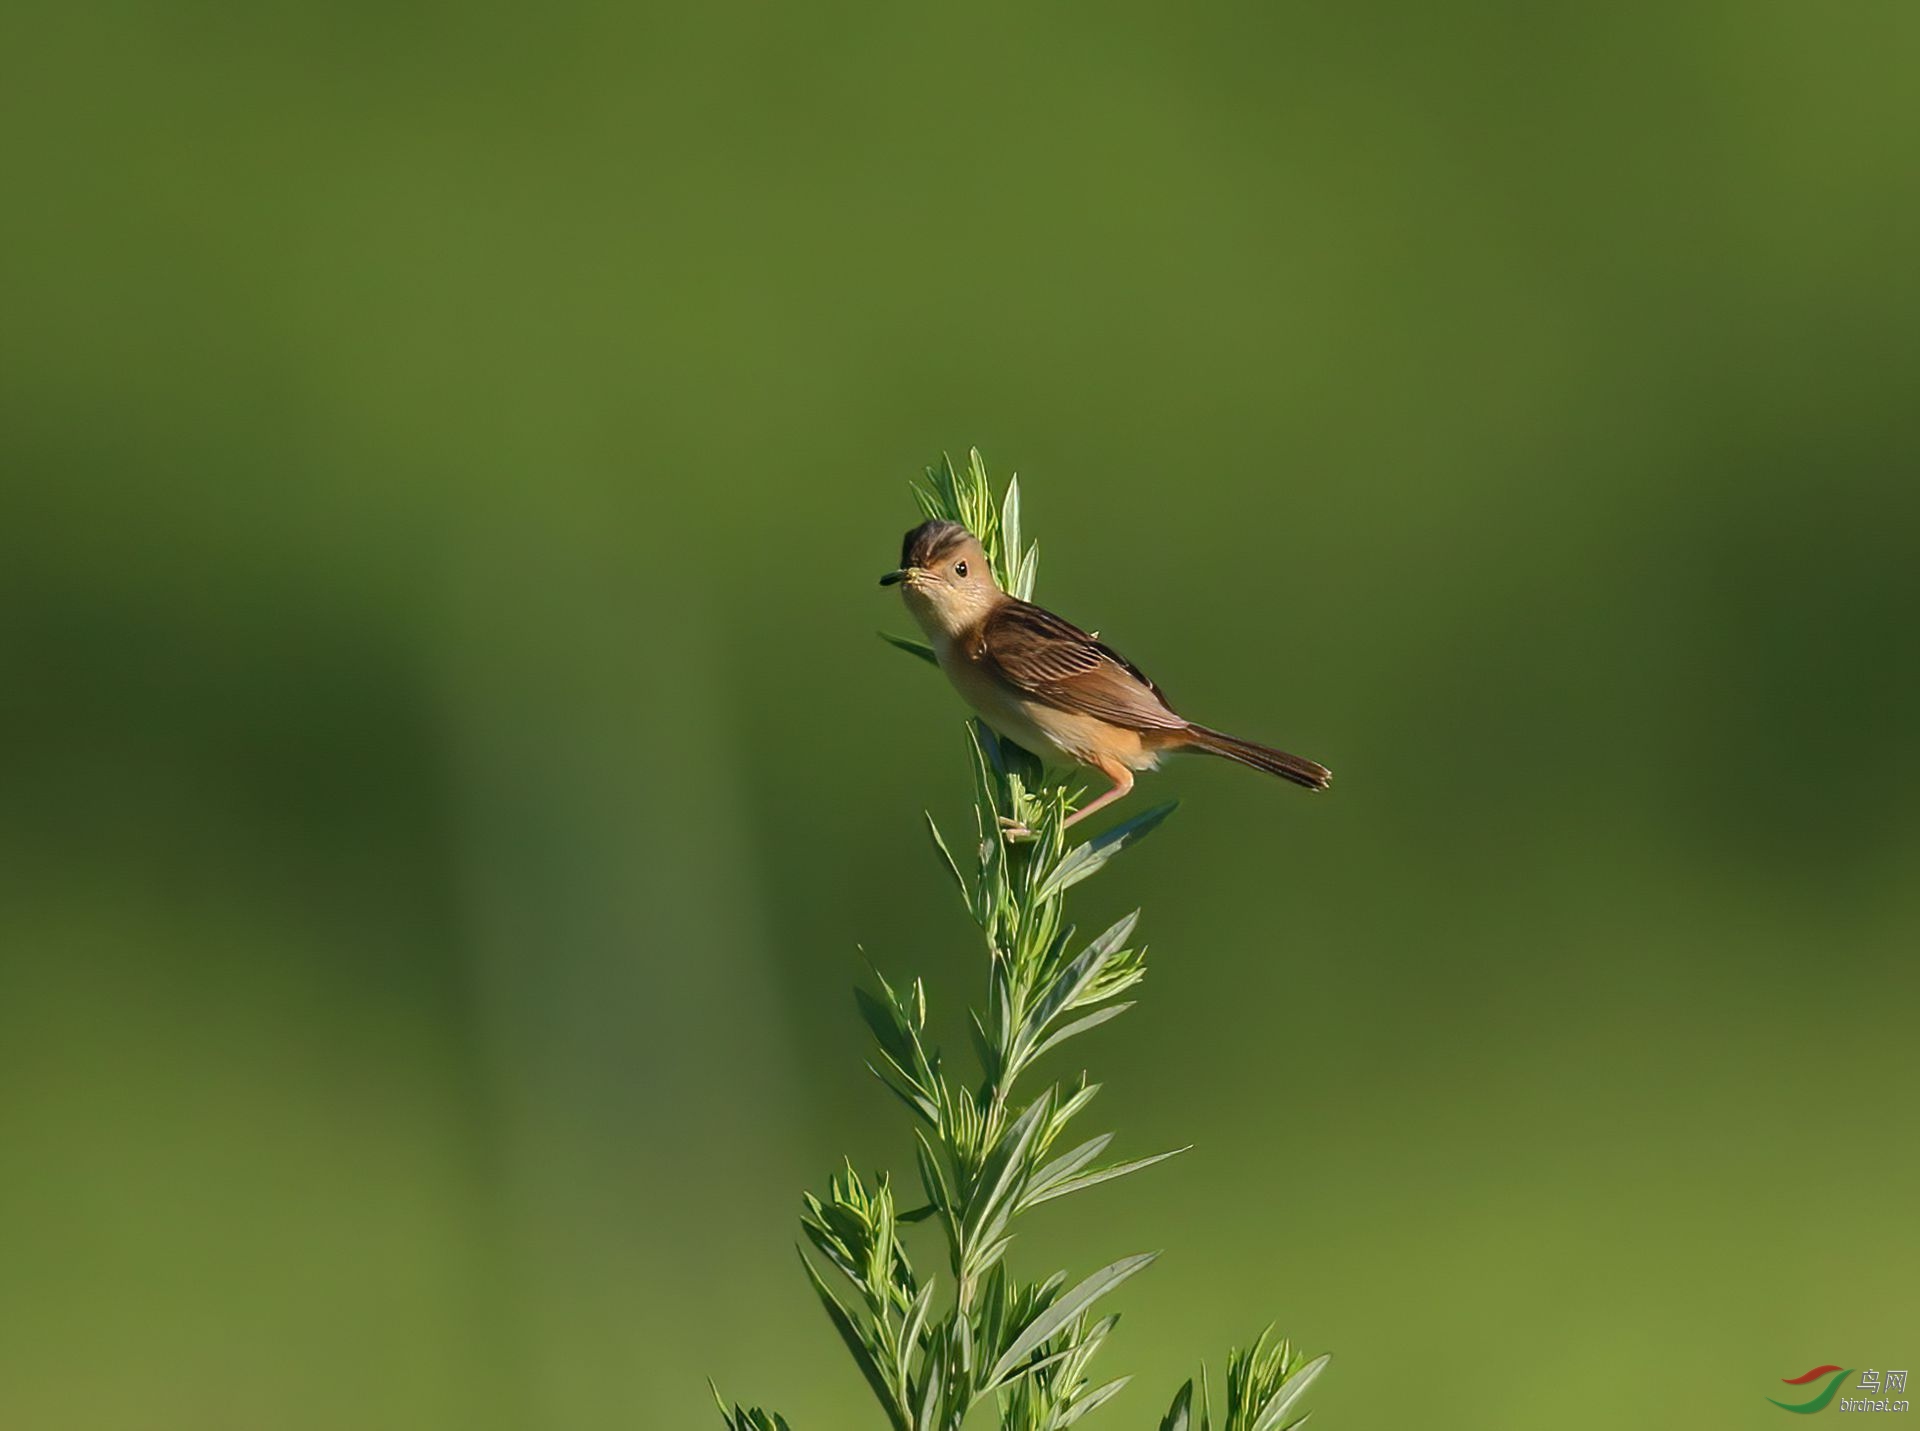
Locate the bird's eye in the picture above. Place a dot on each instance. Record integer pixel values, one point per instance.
(960, 568)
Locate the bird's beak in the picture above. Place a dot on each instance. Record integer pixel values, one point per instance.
(893, 578)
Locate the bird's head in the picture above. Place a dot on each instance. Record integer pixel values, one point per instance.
(946, 578)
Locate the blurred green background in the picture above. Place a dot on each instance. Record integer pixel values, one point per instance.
(447, 452)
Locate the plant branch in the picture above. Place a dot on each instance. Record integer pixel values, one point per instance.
(987, 1154)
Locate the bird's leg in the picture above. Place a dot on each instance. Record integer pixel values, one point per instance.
(1122, 779)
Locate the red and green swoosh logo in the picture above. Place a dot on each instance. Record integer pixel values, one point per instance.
(1819, 1403)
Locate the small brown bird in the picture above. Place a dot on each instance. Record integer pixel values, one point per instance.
(1045, 684)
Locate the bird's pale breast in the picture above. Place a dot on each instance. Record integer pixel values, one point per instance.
(1043, 729)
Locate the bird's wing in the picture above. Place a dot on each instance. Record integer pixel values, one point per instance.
(1057, 663)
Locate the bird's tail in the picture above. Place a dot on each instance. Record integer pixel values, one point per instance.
(1296, 768)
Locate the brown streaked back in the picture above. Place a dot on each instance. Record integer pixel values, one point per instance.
(1055, 662)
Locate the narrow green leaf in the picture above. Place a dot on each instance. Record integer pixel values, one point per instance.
(863, 1356)
(929, 502)
(1075, 978)
(990, 744)
(1268, 1418)
(1179, 1416)
(976, 507)
(988, 777)
(990, 1252)
(1067, 1164)
(902, 1088)
(1004, 1168)
(1078, 1026)
(933, 1178)
(1098, 1175)
(890, 1030)
(946, 858)
(1094, 1399)
(983, 1047)
(916, 1320)
(1010, 533)
(1080, 1098)
(931, 1387)
(910, 646)
(1029, 572)
(1099, 1332)
(944, 485)
(1041, 1329)
(1082, 861)
(825, 1240)
(961, 1330)
(1050, 1360)
(1022, 764)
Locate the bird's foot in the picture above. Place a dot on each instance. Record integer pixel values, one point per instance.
(1012, 829)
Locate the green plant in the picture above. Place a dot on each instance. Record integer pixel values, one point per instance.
(989, 1152)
